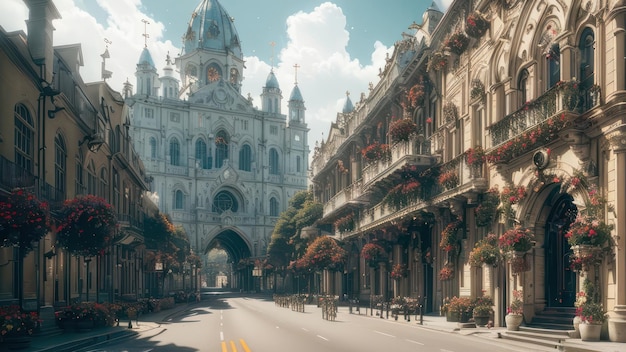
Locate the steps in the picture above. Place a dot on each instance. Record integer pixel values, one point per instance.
(48, 325)
(554, 318)
(552, 339)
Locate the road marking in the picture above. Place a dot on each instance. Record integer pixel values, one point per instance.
(224, 348)
(244, 345)
(322, 337)
(221, 336)
(305, 329)
(419, 343)
(233, 346)
(442, 350)
(382, 333)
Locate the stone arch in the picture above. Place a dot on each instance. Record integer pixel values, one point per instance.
(232, 240)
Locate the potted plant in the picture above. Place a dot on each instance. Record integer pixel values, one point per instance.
(592, 316)
(398, 271)
(373, 253)
(476, 25)
(487, 209)
(449, 179)
(482, 309)
(376, 151)
(446, 273)
(517, 239)
(462, 307)
(16, 326)
(485, 251)
(588, 231)
(515, 311)
(345, 224)
(457, 42)
(400, 130)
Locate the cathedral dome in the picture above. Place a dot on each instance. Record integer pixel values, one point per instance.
(211, 28)
(271, 81)
(146, 58)
(347, 106)
(295, 94)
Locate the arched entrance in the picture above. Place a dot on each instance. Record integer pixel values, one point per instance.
(560, 279)
(239, 253)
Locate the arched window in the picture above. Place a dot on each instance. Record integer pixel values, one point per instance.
(24, 137)
(225, 201)
(60, 165)
(553, 65)
(174, 152)
(179, 199)
(245, 158)
(92, 180)
(201, 156)
(274, 162)
(273, 206)
(587, 58)
(522, 85)
(221, 148)
(103, 189)
(298, 164)
(153, 148)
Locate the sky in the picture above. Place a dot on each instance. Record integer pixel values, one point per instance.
(339, 45)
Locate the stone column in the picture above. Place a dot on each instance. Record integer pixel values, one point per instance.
(617, 317)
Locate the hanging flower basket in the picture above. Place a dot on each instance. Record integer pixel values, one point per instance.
(398, 271)
(446, 273)
(457, 42)
(475, 157)
(375, 152)
(476, 25)
(401, 130)
(86, 226)
(24, 220)
(449, 179)
(373, 253)
(516, 240)
(588, 231)
(415, 95)
(487, 210)
(438, 61)
(345, 224)
(485, 251)
(449, 237)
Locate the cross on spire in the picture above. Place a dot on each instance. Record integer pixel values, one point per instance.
(145, 32)
(272, 44)
(296, 67)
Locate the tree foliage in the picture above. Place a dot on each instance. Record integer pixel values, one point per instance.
(286, 243)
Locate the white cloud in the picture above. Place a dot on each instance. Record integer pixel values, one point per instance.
(317, 42)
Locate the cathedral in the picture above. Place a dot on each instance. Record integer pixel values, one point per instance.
(220, 167)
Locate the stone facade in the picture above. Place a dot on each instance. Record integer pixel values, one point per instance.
(538, 86)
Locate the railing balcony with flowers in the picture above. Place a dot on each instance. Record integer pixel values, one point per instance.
(346, 197)
(463, 175)
(413, 152)
(559, 99)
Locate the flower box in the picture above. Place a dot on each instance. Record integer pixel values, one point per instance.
(401, 130)
(457, 42)
(476, 25)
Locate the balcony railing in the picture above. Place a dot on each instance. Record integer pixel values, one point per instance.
(414, 152)
(14, 176)
(555, 101)
(347, 196)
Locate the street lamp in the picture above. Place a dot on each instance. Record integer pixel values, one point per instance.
(88, 281)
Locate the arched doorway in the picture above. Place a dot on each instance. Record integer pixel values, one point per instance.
(239, 254)
(560, 278)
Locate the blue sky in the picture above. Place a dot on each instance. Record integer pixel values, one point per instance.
(339, 45)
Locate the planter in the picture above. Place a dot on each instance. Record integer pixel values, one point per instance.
(584, 250)
(16, 343)
(452, 316)
(576, 323)
(465, 317)
(84, 325)
(513, 321)
(481, 320)
(590, 332)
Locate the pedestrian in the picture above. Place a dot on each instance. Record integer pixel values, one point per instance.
(197, 296)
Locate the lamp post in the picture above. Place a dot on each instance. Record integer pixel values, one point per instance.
(88, 276)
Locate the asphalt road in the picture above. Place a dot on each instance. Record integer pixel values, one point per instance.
(235, 324)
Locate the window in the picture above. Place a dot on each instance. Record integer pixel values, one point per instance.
(178, 199)
(201, 155)
(298, 162)
(148, 113)
(554, 68)
(24, 138)
(116, 190)
(174, 152)
(153, 148)
(92, 180)
(245, 158)
(225, 201)
(244, 125)
(522, 85)
(79, 178)
(273, 206)
(273, 162)
(587, 58)
(221, 148)
(60, 165)
(174, 117)
(274, 130)
(103, 189)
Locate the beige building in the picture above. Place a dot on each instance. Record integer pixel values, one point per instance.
(538, 85)
(61, 138)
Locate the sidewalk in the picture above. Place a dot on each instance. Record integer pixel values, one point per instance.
(150, 324)
(67, 341)
(439, 323)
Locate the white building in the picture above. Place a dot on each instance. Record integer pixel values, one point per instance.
(221, 168)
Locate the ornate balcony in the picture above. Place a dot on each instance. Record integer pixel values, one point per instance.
(565, 101)
(350, 196)
(414, 152)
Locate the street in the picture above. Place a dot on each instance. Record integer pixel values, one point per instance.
(231, 323)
